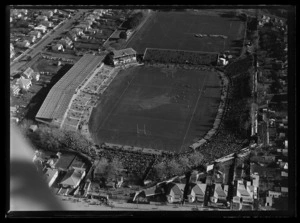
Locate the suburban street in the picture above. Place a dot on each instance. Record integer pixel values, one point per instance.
(45, 41)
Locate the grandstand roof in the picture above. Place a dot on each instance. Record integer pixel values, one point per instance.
(59, 97)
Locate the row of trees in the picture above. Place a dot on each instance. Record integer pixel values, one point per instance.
(54, 139)
(177, 166)
(179, 57)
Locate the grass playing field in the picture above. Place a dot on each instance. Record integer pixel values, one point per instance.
(157, 108)
(175, 30)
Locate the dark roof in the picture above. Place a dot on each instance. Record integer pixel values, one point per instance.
(73, 176)
(59, 97)
(152, 191)
(199, 189)
(219, 190)
(116, 34)
(177, 189)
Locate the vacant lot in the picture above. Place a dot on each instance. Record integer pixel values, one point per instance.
(44, 65)
(157, 108)
(175, 30)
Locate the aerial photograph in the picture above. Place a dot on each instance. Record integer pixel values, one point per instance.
(149, 109)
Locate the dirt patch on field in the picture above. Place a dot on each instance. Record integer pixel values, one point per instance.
(154, 102)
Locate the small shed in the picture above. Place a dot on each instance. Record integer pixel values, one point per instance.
(33, 128)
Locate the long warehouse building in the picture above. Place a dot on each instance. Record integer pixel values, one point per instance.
(60, 96)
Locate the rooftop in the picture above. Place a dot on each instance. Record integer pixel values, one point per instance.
(73, 176)
(123, 52)
(50, 173)
(59, 97)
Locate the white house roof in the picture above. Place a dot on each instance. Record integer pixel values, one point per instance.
(29, 71)
(50, 173)
(24, 81)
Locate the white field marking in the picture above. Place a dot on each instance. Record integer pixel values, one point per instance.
(117, 102)
(194, 110)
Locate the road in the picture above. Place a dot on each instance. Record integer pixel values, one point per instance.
(45, 41)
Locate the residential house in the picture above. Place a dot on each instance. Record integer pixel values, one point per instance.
(175, 192)
(24, 83)
(12, 50)
(23, 11)
(33, 128)
(28, 73)
(31, 39)
(35, 33)
(284, 174)
(219, 193)
(78, 31)
(72, 36)
(73, 177)
(153, 191)
(66, 42)
(222, 61)
(236, 203)
(46, 23)
(284, 191)
(84, 27)
(124, 56)
(58, 47)
(245, 193)
(269, 202)
(41, 28)
(36, 76)
(23, 44)
(15, 89)
(51, 175)
(116, 35)
(274, 194)
(90, 17)
(197, 192)
(47, 13)
(42, 18)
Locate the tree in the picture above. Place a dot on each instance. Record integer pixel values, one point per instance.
(196, 159)
(116, 166)
(160, 170)
(173, 168)
(123, 35)
(184, 163)
(101, 171)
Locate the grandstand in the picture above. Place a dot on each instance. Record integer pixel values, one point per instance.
(61, 94)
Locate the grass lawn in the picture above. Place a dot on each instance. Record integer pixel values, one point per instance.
(87, 45)
(175, 30)
(171, 111)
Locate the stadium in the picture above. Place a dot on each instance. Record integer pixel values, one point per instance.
(173, 102)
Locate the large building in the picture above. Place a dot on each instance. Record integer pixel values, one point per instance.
(124, 56)
(58, 100)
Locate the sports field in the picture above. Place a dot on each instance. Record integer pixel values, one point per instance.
(175, 30)
(159, 108)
